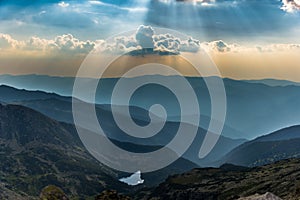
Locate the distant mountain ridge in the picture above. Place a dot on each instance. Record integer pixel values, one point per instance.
(268, 107)
(11, 94)
(60, 108)
(274, 82)
(281, 144)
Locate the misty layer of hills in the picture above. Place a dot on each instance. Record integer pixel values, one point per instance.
(60, 109)
(254, 108)
(39, 145)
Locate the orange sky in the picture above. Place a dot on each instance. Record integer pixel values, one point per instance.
(237, 65)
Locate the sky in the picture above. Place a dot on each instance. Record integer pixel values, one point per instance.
(247, 39)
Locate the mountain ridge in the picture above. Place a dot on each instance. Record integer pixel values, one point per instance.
(281, 144)
(241, 96)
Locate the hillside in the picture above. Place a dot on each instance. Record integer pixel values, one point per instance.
(230, 183)
(36, 151)
(281, 144)
(60, 109)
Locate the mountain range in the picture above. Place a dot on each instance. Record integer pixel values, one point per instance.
(60, 108)
(36, 151)
(281, 144)
(39, 146)
(267, 104)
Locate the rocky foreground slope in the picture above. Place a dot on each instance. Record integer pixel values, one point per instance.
(231, 182)
(277, 181)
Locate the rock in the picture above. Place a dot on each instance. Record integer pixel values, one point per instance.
(266, 196)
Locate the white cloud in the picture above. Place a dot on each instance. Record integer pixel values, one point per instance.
(129, 9)
(63, 4)
(67, 43)
(217, 46)
(167, 42)
(61, 44)
(145, 37)
(121, 45)
(291, 5)
(190, 45)
(279, 48)
(7, 42)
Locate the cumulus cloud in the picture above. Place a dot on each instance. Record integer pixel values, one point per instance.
(121, 45)
(217, 46)
(167, 42)
(220, 46)
(61, 44)
(147, 38)
(144, 36)
(291, 5)
(67, 43)
(7, 42)
(190, 45)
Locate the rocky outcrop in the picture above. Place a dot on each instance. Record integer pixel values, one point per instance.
(231, 182)
(266, 196)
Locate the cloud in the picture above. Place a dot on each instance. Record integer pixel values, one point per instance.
(291, 5)
(228, 19)
(222, 47)
(64, 18)
(122, 44)
(279, 48)
(217, 46)
(66, 44)
(135, 8)
(201, 2)
(190, 45)
(63, 4)
(233, 19)
(167, 42)
(7, 42)
(144, 36)
(147, 38)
